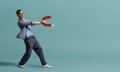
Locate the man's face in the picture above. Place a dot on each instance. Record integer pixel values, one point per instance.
(20, 14)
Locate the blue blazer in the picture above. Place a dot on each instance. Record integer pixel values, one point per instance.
(23, 25)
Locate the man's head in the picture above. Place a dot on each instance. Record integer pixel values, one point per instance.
(20, 13)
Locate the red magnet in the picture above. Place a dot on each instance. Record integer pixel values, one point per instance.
(44, 19)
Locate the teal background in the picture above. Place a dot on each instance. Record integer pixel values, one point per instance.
(86, 36)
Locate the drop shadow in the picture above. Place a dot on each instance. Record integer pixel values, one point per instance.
(5, 63)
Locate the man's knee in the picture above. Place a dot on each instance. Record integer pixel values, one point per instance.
(28, 52)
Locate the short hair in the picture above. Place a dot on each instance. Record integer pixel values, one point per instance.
(18, 11)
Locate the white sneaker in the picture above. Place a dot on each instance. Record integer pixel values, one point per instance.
(21, 66)
(47, 66)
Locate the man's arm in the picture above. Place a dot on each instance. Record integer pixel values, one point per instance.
(38, 23)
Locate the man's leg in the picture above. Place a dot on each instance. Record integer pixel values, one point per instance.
(27, 54)
(37, 48)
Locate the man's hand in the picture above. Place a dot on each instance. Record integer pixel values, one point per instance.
(43, 21)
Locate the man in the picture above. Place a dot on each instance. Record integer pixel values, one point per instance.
(29, 39)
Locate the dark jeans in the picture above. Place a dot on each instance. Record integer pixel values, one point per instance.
(31, 43)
